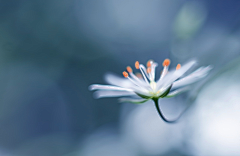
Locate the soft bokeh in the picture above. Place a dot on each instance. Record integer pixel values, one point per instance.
(52, 50)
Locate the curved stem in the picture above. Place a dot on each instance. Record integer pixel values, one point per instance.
(162, 116)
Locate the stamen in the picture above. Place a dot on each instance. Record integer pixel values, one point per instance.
(144, 73)
(149, 70)
(139, 75)
(166, 62)
(149, 63)
(135, 80)
(153, 67)
(164, 72)
(137, 65)
(178, 66)
(125, 74)
(129, 69)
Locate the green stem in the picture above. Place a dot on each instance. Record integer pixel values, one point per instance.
(161, 115)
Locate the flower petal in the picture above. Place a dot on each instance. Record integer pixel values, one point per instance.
(125, 83)
(105, 93)
(117, 81)
(174, 75)
(193, 77)
(131, 100)
(178, 91)
(107, 87)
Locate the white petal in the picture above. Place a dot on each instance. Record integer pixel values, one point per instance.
(107, 87)
(131, 100)
(115, 88)
(178, 91)
(193, 77)
(117, 81)
(126, 83)
(104, 93)
(172, 76)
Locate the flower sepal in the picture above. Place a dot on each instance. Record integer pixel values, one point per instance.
(134, 101)
(166, 92)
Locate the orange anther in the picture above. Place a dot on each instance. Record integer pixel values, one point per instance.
(166, 62)
(178, 66)
(139, 75)
(129, 69)
(125, 74)
(148, 70)
(149, 63)
(137, 65)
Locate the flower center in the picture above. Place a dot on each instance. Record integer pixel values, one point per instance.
(153, 85)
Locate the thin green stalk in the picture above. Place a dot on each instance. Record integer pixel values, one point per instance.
(161, 115)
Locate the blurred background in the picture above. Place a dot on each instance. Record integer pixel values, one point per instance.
(52, 50)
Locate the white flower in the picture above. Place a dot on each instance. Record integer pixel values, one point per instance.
(143, 87)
